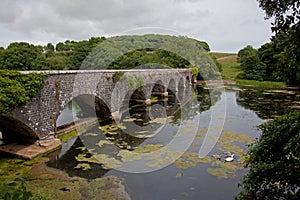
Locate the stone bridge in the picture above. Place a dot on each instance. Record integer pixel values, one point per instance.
(98, 93)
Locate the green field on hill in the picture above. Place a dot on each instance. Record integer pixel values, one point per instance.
(231, 69)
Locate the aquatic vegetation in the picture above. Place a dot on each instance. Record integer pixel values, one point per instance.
(190, 159)
(104, 160)
(127, 156)
(148, 148)
(108, 162)
(228, 137)
(83, 157)
(11, 168)
(101, 143)
(110, 129)
(162, 120)
(224, 171)
(65, 137)
(179, 175)
(161, 158)
(83, 166)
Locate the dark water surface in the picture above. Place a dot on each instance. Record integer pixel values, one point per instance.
(174, 175)
(189, 177)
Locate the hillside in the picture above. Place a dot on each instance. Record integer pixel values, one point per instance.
(230, 67)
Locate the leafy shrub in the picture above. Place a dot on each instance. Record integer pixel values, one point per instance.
(17, 89)
(117, 76)
(253, 68)
(274, 161)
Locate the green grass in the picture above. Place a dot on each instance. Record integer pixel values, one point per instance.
(221, 55)
(261, 84)
(230, 67)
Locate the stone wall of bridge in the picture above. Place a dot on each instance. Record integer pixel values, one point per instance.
(97, 92)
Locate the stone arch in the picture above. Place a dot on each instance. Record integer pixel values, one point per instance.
(172, 86)
(90, 105)
(172, 92)
(14, 130)
(138, 95)
(181, 88)
(159, 89)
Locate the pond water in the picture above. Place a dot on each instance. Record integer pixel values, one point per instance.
(136, 147)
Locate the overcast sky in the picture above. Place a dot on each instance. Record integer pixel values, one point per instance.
(227, 25)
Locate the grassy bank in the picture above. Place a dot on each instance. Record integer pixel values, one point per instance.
(261, 84)
(231, 69)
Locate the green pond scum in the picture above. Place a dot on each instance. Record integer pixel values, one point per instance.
(47, 183)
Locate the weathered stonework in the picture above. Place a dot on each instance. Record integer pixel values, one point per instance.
(37, 119)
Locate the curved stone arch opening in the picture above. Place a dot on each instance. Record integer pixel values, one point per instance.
(181, 88)
(172, 86)
(85, 106)
(187, 80)
(159, 89)
(172, 92)
(187, 84)
(137, 96)
(15, 131)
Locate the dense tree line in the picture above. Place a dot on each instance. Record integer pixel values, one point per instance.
(71, 54)
(64, 55)
(274, 159)
(278, 60)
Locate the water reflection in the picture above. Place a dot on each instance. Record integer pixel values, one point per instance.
(71, 113)
(189, 177)
(268, 104)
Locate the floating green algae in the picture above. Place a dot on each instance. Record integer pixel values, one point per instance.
(148, 148)
(161, 158)
(179, 175)
(84, 157)
(224, 170)
(83, 166)
(228, 137)
(190, 159)
(101, 143)
(65, 137)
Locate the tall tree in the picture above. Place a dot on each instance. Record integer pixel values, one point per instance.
(253, 68)
(19, 56)
(286, 15)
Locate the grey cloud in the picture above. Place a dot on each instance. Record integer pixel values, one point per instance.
(9, 11)
(218, 22)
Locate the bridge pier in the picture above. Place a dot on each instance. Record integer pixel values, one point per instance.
(147, 102)
(115, 115)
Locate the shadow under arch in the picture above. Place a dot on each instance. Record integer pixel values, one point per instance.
(158, 89)
(86, 106)
(188, 80)
(15, 131)
(181, 88)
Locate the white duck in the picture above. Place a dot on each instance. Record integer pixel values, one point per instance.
(217, 156)
(229, 158)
